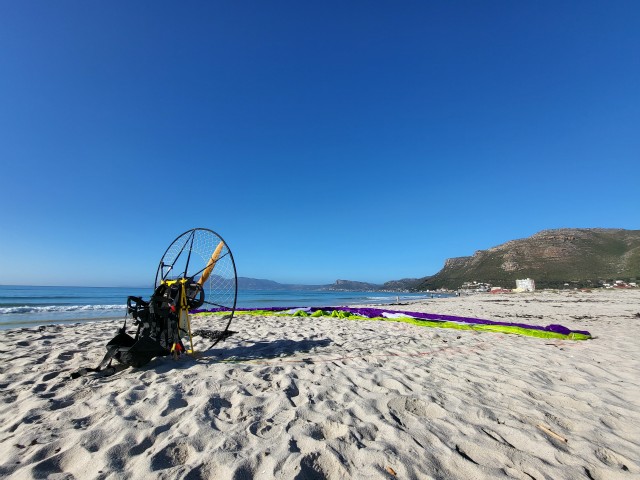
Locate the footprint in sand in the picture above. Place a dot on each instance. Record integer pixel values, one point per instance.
(393, 385)
(416, 406)
(49, 376)
(143, 446)
(60, 403)
(94, 439)
(215, 406)
(39, 388)
(319, 465)
(611, 458)
(334, 430)
(292, 391)
(174, 404)
(326, 430)
(48, 467)
(81, 423)
(265, 429)
(271, 427)
(42, 359)
(66, 355)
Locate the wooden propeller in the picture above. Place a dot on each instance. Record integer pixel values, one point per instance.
(211, 264)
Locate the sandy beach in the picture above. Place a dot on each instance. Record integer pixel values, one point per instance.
(313, 398)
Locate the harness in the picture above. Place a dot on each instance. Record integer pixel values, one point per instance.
(161, 322)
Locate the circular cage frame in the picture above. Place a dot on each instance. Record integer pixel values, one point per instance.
(189, 235)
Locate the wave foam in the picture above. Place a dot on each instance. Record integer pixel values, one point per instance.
(59, 308)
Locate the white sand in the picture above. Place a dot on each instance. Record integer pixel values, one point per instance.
(329, 398)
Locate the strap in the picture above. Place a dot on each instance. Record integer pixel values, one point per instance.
(106, 362)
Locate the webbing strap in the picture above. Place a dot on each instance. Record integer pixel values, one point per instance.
(106, 362)
(184, 310)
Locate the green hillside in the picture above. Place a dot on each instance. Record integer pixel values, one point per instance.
(581, 257)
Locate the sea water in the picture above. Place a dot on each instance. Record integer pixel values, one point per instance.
(30, 306)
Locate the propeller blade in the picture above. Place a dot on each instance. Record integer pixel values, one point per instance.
(212, 263)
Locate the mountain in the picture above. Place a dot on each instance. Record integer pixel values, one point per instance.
(246, 283)
(402, 285)
(351, 285)
(579, 256)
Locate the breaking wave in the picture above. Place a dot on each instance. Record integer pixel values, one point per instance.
(59, 308)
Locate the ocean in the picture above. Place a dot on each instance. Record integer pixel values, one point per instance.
(31, 306)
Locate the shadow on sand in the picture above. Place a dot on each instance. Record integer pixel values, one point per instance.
(256, 351)
(263, 350)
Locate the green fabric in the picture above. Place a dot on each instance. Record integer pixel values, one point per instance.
(414, 321)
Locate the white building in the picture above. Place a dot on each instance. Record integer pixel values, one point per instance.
(526, 285)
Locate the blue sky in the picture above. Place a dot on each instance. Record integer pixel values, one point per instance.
(355, 140)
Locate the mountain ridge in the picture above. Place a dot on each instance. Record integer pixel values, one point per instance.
(579, 256)
(552, 257)
(246, 283)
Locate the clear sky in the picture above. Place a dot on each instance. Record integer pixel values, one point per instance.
(357, 140)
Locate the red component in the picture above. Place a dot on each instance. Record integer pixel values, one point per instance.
(173, 309)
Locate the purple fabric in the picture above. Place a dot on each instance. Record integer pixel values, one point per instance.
(377, 312)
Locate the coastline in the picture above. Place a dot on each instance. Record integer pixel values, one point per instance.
(291, 397)
(26, 306)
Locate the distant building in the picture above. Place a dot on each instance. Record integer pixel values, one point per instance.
(526, 285)
(500, 290)
(474, 287)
